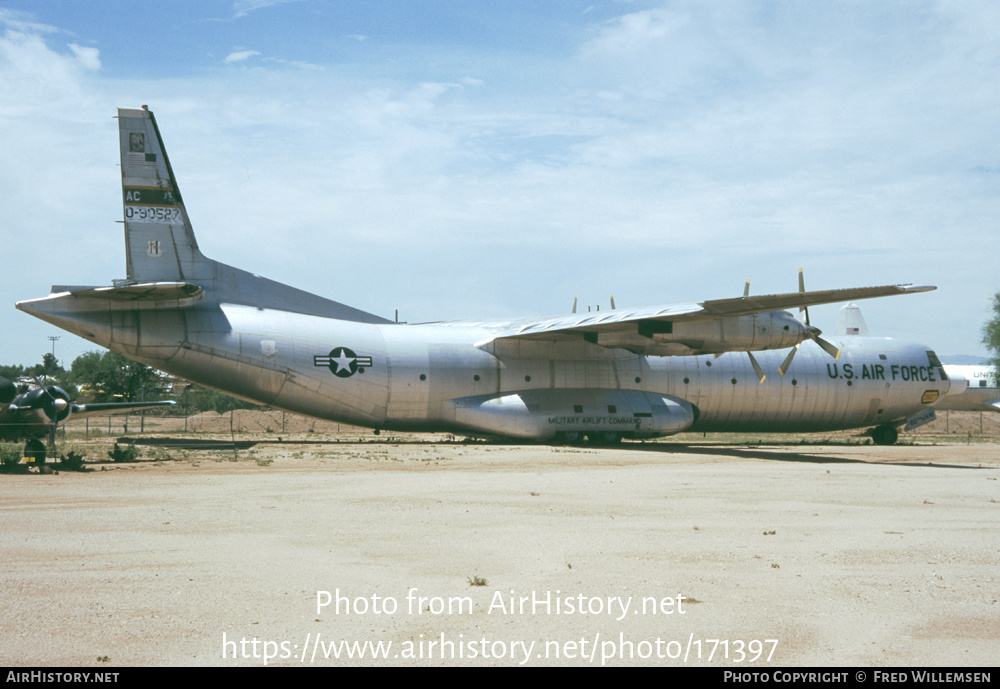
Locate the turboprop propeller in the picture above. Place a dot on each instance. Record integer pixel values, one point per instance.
(812, 333)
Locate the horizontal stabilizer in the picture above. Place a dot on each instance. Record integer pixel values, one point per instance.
(145, 291)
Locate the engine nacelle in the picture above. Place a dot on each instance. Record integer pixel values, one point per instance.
(53, 401)
(542, 414)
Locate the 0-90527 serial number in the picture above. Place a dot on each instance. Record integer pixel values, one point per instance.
(152, 214)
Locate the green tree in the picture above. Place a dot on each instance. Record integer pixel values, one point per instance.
(991, 335)
(49, 369)
(49, 366)
(12, 372)
(111, 377)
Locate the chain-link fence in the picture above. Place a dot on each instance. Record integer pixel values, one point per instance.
(241, 421)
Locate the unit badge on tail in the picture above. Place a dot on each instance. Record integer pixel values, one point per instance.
(343, 362)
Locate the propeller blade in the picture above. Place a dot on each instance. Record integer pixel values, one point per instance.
(756, 367)
(57, 408)
(575, 297)
(802, 289)
(612, 302)
(746, 289)
(827, 346)
(783, 369)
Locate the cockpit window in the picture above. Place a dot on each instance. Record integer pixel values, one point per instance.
(933, 360)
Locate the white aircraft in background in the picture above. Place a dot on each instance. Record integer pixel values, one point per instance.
(634, 373)
(973, 388)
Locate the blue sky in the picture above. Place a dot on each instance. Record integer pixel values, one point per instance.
(477, 160)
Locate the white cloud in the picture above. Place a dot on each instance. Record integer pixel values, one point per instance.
(89, 58)
(34, 75)
(298, 64)
(25, 22)
(634, 32)
(240, 56)
(242, 8)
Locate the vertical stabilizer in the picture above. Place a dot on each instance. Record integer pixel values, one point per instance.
(850, 321)
(161, 248)
(159, 242)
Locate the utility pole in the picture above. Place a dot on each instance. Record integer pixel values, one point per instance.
(53, 338)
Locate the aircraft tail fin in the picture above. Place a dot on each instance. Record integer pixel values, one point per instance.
(850, 321)
(163, 261)
(160, 244)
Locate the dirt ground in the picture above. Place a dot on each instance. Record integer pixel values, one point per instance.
(318, 545)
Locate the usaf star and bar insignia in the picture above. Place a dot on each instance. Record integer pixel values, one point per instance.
(343, 362)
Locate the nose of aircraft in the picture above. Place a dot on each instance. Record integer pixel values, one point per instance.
(7, 391)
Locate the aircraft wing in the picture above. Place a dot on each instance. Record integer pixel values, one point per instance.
(106, 408)
(686, 329)
(743, 306)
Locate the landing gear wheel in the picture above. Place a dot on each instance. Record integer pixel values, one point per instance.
(885, 435)
(604, 438)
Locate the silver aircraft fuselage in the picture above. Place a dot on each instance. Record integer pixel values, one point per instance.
(413, 377)
(712, 366)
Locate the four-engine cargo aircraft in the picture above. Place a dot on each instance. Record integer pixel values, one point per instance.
(635, 373)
